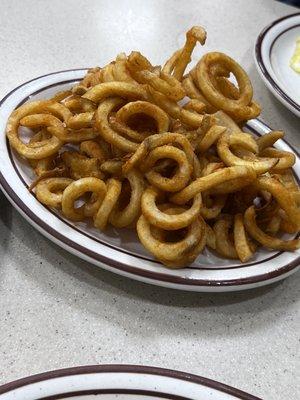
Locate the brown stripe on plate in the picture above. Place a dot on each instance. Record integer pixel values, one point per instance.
(123, 368)
(135, 392)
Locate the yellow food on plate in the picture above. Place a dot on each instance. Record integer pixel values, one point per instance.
(295, 59)
(161, 150)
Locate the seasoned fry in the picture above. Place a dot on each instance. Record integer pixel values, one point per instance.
(12, 131)
(113, 187)
(144, 108)
(50, 191)
(241, 242)
(181, 176)
(105, 130)
(285, 158)
(242, 108)
(167, 221)
(82, 120)
(283, 197)
(174, 254)
(77, 189)
(125, 216)
(269, 139)
(259, 165)
(210, 181)
(124, 90)
(196, 33)
(265, 239)
(224, 245)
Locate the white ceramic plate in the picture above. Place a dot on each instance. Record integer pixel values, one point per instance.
(119, 250)
(274, 48)
(122, 382)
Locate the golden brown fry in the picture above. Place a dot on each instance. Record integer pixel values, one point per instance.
(112, 167)
(77, 189)
(224, 245)
(181, 176)
(120, 71)
(194, 93)
(241, 243)
(269, 139)
(214, 208)
(166, 221)
(59, 96)
(211, 136)
(50, 191)
(80, 166)
(260, 165)
(92, 149)
(78, 104)
(164, 83)
(154, 141)
(175, 254)
(113, 187)
(145, 108)
(47, 149)
(82, 120)
(125, 216)
(125, 90)
(210, 237)
(124, 129)
(265, 239)
(194, 35)
(108, 73)
(285, 158)
(225, 120)
(103, 126)
(208, 182)
(283, 197)
(195, 105)
(242, 108)
(190, 118)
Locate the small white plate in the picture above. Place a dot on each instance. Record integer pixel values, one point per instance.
(274, 48)
(122, 382)
(119, 250)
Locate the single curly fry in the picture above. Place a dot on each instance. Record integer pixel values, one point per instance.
(176, 254)
(264, 239)
(46, 149)
(105, 130)
(113, 192)
(126, 216)
(241, 241)
(77, 189)
(125, 90)
(224, 245)
(166, 221)
(210, 181)
(50, 191)
(260, 165)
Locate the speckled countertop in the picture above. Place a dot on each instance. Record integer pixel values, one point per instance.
(57, 311)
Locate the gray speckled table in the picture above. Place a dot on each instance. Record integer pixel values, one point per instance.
(57, 311)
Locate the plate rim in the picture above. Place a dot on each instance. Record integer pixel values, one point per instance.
(127, 368)
(159, 278)
(262, 68)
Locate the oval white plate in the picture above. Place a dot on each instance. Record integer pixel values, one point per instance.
(274, 48)
(122, 382)
(119, 250)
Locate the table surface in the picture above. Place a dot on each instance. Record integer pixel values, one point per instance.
(56, 310)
